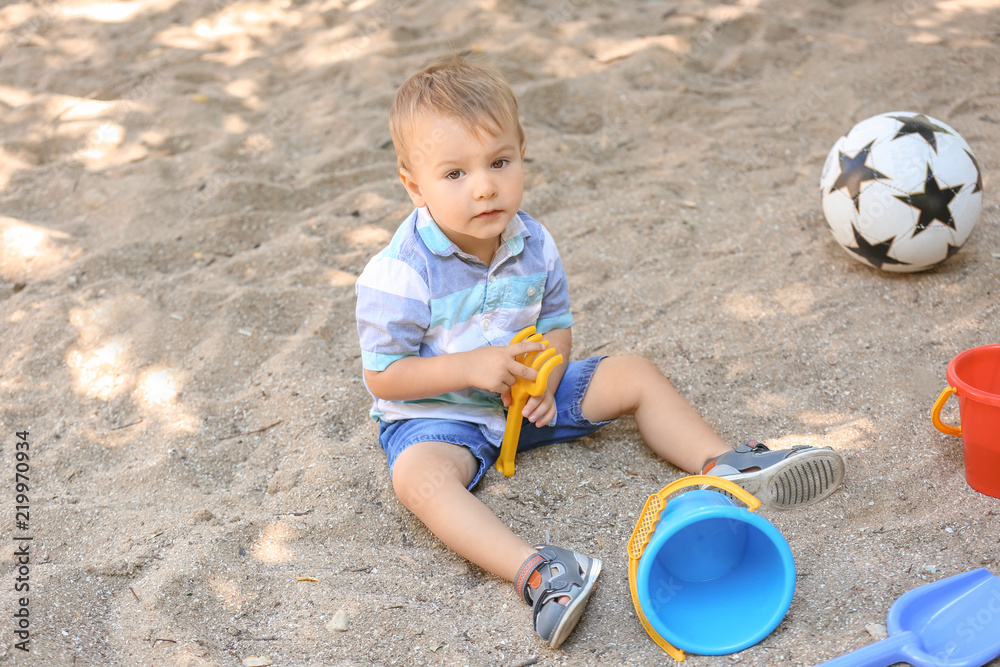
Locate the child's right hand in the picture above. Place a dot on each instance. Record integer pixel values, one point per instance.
(496, 369)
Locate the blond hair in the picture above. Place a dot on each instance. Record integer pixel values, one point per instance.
(475, 95)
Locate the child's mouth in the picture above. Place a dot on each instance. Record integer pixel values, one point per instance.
(489, 214)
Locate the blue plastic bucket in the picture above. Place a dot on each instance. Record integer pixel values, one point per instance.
(714, 577)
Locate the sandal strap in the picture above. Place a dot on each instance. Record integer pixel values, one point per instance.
(524, 573)
(567, 581)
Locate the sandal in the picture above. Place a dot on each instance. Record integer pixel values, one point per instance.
(783, 479)
(549, 575)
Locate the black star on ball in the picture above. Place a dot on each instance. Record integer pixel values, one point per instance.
(854, 172)
(932, 203)
(922, 125)
(979, 173)
(875, 254)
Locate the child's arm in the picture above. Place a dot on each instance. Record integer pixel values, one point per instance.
(489, 368)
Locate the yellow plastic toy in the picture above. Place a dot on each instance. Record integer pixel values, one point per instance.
(543, 362)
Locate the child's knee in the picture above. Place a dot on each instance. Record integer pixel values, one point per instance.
(627, 372)
(420, 473)
(414, 490)
(618, 386)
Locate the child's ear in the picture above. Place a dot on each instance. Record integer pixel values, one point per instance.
(524, 145)
(412, 187)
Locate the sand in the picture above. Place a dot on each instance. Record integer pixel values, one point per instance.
(188, 190)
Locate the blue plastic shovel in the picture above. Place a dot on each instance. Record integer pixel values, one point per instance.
(954, 622)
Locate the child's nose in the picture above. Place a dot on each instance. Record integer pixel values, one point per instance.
(486, 187)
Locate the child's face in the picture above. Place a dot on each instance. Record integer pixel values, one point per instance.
(471, 184)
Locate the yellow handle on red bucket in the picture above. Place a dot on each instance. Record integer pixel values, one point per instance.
(645, 527)
(936, 413)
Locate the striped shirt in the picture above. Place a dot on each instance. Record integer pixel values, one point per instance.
(423, 296)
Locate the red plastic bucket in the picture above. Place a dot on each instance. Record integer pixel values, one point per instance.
(974, 376)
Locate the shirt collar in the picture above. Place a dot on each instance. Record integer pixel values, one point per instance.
(513, 235)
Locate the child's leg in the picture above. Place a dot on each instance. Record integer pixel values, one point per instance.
(670, 427)
(785, 479)
(430, 479)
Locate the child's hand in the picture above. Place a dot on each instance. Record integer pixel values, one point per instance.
(540, 410)
(496, 369)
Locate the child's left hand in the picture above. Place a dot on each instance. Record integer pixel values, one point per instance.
(540, 410)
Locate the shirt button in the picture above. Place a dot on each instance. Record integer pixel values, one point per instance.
(486, 325)
(531, 291)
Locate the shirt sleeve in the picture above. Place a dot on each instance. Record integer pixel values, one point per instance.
(555, 312)
(393, 311)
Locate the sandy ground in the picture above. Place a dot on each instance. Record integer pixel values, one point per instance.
(189, 188)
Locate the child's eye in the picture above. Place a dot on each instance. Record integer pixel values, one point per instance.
(453, 174)
(500, 163)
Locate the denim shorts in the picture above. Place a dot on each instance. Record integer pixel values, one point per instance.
(484, 443)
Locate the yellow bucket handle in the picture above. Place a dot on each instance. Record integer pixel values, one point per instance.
(936, 413)
(645, 527)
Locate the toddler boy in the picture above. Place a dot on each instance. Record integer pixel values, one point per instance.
(436, 311)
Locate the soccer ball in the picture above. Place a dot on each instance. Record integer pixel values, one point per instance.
(901, 191)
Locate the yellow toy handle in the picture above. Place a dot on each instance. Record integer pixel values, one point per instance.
(936, 413)
(543, 362)
(645, 528)
(641, 534)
